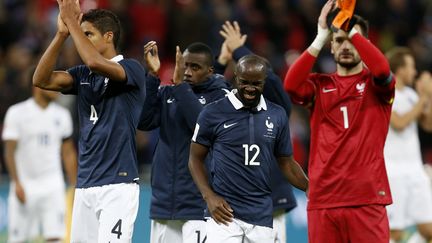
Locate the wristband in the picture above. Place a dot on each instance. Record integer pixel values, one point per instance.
(352, 32)
(321, 38)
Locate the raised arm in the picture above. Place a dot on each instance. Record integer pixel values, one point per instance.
(150, 115)
(71, 15)
(45, 77)
(219, 209)
(372, 57)
(424, 89)
(295, 82)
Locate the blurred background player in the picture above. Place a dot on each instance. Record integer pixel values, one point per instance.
(177, 207)
(37, 137)
(350, 115)
(409, 183)
(243, 135)
(110, 92)
(233, 48)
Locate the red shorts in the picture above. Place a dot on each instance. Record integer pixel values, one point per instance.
(361, 224)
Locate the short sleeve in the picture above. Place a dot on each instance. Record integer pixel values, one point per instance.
(135, 73)
(76, 73)
(203, 132)
(283, 145)
(11, 126)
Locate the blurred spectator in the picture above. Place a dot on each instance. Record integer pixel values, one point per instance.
(273, 27)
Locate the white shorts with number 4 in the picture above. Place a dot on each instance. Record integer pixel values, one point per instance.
(105, 213)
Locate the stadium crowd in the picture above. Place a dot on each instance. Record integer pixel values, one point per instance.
(278, 30)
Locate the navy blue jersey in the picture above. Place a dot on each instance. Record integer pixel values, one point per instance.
(175, 109)
(108, 112)
(282, 194)
(244, 144)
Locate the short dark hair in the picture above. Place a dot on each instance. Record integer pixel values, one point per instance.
(363, 23)
(104, 21)
(396, 57)
(201, 48)
(251, 59)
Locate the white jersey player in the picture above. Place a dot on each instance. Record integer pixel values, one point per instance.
(409, 184)
(37, 135)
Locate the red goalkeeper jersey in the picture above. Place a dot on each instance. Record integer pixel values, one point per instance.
(349, 123)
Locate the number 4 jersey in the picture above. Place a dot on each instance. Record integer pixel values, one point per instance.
(109, 112)
(243, 145)
(349, 122)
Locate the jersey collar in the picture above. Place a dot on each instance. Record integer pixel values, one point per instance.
(117, 58)
(262, 105)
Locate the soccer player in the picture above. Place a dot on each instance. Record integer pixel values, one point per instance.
(409, 183)
(233, 48)
(110, 92)
(177, 208)
(242, 133)
(350, 114)
(37, 135)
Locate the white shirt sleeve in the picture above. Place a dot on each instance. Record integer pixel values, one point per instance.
(11, 125)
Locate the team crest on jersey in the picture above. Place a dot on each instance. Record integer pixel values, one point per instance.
(202, 100)
(360, 87)
(270, 126)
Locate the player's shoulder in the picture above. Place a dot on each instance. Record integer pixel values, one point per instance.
(219, 106)
(322, 76)
(409, 91)
(273, 107)
(132, 62)
(20, 107)
(59, 108)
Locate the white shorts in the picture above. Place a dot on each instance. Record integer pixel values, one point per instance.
(46, 211)
(238, 231)
(179, 231)
(105, 213)
(412, 201)
(279, 226)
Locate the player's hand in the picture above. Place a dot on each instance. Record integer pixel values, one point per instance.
(70, 10)
(219, 209)
(225, 55)
(151, 57)
(425, 79)
(19, 191)
(179, 68)
(329, 6)
(61, 27)
(423, 84)
(233, 36)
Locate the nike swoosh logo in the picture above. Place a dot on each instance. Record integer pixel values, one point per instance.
(327, 90)
(170, 100)
(229, 125)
